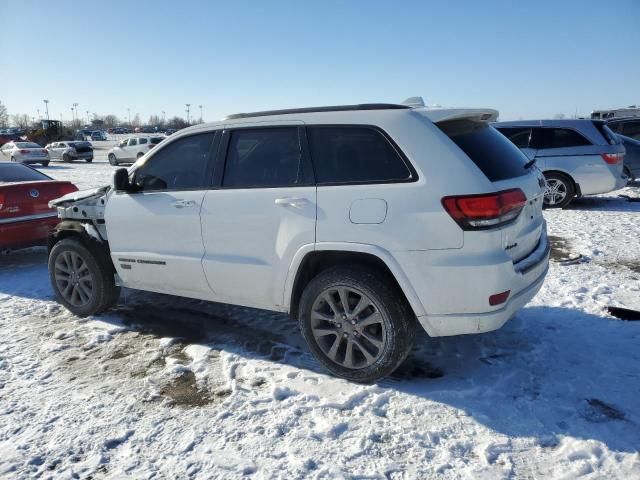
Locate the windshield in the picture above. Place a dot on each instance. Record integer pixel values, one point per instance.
(16, 172)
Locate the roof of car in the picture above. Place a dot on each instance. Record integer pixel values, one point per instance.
(623, 119)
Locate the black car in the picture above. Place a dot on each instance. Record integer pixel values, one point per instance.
(629, 127)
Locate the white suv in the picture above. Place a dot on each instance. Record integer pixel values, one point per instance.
(132, 148)
(361, 221)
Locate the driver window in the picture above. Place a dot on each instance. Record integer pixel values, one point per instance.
(181, 165)
(132, 142)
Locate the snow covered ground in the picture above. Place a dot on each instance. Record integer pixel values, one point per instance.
(165, 387)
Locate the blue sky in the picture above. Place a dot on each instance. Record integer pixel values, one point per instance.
(527, 58)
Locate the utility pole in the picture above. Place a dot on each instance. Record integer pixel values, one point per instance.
(39, 116)
(46, 105)
(188, 105)
(200, 113)
(76, 107)
(88, 119)
(129, 115)
(163, 115)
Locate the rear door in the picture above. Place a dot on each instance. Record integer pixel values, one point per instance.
(261, 214)
(154, 234)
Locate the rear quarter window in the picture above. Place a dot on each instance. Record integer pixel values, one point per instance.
(491, 151)
(543, 138)
(355, 154)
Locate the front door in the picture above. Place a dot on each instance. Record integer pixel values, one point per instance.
(261, 214)
(154, 234)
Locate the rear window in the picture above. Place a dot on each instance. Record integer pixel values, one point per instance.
(15, 172)
(143, 141)
(156, 140)
(519, 136)
(27, 145)
(354, 155)
(493, 154)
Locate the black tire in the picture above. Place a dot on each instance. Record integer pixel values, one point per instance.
(113, 160)
(65, 158)
(627, 172)
(88, 160)
(565, 186)
(104, 292)
(397, 318)
(45, 164)
(140, 154)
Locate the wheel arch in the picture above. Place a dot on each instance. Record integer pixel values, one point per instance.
(310, 261)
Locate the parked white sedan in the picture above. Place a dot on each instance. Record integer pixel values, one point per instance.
(132, 148)
(24, 152)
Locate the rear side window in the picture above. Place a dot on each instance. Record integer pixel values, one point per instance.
(632, 129)
(354, 155)
(558, 138)
(264, 157)
(181, 165)
(133, 142)
(493, 154)
(143, 141)
(519, 136)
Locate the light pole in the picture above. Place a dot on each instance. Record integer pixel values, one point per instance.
(39, 116)
(76, 107)
(163, 115)
(188, 105)
(129, 115)
(88, 119)
(200, 106)
(46, 106)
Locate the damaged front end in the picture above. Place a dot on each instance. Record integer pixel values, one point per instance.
(82, 212)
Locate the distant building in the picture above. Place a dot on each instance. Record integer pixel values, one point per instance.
(631, 111)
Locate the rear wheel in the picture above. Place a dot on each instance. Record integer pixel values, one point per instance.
(88, 160)
(65, 158)
(356, 323)
(112, 159)
(559, 192)
(82, 277)
(140, 154)
(45, 164)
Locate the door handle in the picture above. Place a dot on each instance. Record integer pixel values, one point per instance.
(292, 202)
(183, 203)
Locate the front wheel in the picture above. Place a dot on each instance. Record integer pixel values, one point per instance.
(88, 160)
(82, 277)
(356, 323)
(559, 191)
(113, 160)
(45, 164)
(66, 158)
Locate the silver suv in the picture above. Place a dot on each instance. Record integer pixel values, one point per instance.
(577, 157)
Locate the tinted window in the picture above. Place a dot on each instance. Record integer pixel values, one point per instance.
(616, 126)
(268, 157)
(354, 154)
(632, 129)
(156, 140)
(559, 138)
(493, 154)
(15, 172)
(143, 141)
(519, 136)
(133, 142)
(181, 165)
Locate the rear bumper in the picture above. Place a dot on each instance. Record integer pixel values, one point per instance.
(608, 181)
(27, 233)
(455, 291)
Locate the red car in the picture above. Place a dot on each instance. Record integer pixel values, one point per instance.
(25, 216)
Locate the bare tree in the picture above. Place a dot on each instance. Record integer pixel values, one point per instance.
(136, 120)
(155, 121)
(111, 121)
(4, 116)
(177, 123)
(21, 120)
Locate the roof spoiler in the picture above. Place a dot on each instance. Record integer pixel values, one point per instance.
(414, 102)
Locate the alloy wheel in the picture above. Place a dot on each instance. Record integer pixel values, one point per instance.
(73, 278)
(348, 327)
(555, 192)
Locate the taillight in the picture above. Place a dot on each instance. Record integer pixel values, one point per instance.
(24, 152)
(612, 158)
(1, 200)
(499, 298)
(489, 210)
(65, 188)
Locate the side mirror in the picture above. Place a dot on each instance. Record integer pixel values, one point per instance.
(121, 180)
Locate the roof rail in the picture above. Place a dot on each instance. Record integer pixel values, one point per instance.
(335, 108)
